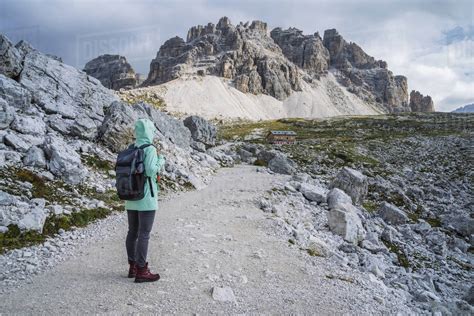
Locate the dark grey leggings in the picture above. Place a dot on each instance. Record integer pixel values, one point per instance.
(139, 228)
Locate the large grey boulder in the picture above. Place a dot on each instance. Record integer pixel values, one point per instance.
(201, 130)
(61, 89)
(172, 129)
(35, 157)
(461, 223)
(337, 197)
(7, 199)
(345, 222)
(34, 219)
(14, 93)
(29, 125)
(282, 164)
(113, 71)
(63, 160)
(16, 142)
(392, 214)
(352, 182)
(10, 58)
(267, 155)
(83, 126)
(117, 129)
(7, 114)
(313, 193)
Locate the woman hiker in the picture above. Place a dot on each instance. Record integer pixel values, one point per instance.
(141, 213)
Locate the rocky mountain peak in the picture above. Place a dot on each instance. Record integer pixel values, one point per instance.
(420, 103)
(113, 71)
(239, 53)
(305, 51)
(274, 63)
(260, 27)
(223, 23)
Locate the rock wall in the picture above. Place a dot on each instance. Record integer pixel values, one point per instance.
(274, 64)
(420, 103)
(60, 130)
(366, 77)
(243, 53)
(305, 51)
(113, 71)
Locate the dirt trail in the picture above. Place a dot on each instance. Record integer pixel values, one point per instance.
(201, 239)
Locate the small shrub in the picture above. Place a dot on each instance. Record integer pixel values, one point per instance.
(260, 162)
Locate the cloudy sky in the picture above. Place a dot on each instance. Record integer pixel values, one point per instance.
(430, 42)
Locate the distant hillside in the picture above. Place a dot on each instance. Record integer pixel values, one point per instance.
(468, 108)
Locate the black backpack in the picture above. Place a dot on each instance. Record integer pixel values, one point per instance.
(130, 173)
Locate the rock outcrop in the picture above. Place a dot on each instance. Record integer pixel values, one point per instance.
(10, 59)
(59, 131)
(351, 182)
(204, 133)
(113, 71)
(366, 77)
(305, 51)
(420, 103)
(243, 53)
(275, 64)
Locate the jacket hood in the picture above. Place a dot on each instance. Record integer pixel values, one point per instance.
(144, 132)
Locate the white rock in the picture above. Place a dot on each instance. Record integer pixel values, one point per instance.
(33, 220)
(352, 182)
(64, 161)
(392, 214)
(223, 294)
(313, 193)
(56, 209)
(336, 197)
(16, 142)
(35, 157)
(318, 247)
(345, 222)
(29, 125)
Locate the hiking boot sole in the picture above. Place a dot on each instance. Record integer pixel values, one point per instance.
(145, 280)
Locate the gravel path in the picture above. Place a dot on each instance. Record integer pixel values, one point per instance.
(203, 239)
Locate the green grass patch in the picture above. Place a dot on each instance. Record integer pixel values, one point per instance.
(54, 191)
(402, 258)
(313, 252)
(370, 206)
(97, 163)
(15, 238)
(155, 102)
(434, 222)
(260, 162)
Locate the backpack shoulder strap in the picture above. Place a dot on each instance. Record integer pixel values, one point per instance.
(145, 146)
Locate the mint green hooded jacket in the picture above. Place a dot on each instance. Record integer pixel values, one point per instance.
(144, 134)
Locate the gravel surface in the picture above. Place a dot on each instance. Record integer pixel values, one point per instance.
(216, 251)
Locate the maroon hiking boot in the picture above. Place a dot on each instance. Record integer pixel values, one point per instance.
(132, 270)
(144, 275)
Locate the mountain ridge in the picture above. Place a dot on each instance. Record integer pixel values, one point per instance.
(277, 62)
(468, 108)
